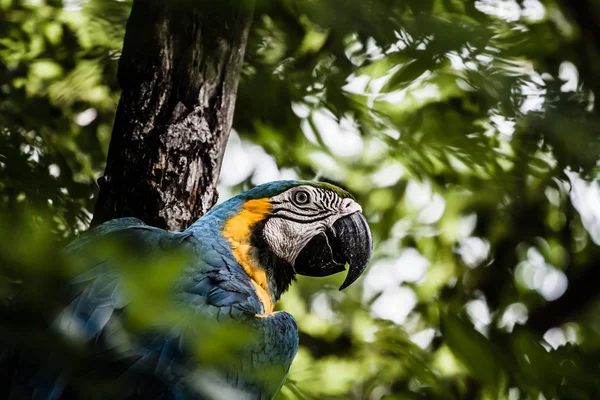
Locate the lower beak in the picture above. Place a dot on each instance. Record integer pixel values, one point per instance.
(348, 240)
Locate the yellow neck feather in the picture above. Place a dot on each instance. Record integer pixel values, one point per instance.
(237, 231)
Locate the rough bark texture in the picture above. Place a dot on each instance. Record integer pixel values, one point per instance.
(179, 74)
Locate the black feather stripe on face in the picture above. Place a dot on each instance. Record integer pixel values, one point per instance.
(280, 273)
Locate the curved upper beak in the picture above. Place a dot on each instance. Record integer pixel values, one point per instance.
(347, 241)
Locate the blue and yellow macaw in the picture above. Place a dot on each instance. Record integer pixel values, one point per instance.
(243, 255)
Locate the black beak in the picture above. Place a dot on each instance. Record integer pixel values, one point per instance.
(347, 241)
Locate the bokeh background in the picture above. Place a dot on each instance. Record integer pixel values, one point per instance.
(468, 130)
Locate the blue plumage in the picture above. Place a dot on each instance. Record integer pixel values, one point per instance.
(212, 285)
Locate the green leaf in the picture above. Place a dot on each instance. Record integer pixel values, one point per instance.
(473, 349)
(407, 74)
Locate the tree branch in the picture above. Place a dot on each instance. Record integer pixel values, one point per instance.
(179, 73)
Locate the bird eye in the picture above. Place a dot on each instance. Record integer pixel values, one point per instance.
(301, 197)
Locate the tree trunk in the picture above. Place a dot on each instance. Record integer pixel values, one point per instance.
(178, 73)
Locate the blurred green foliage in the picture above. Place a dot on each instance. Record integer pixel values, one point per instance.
(467, 130)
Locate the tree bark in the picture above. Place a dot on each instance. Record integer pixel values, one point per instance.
(178, 73)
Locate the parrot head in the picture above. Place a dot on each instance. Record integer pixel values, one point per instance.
(284, 228)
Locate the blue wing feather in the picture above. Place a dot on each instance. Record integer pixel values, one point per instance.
(212, 285)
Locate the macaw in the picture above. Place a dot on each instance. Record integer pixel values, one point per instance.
(243, 255)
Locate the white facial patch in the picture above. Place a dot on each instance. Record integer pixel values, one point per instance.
(301, 213)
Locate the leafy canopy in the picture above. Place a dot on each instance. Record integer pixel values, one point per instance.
(467, 131)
